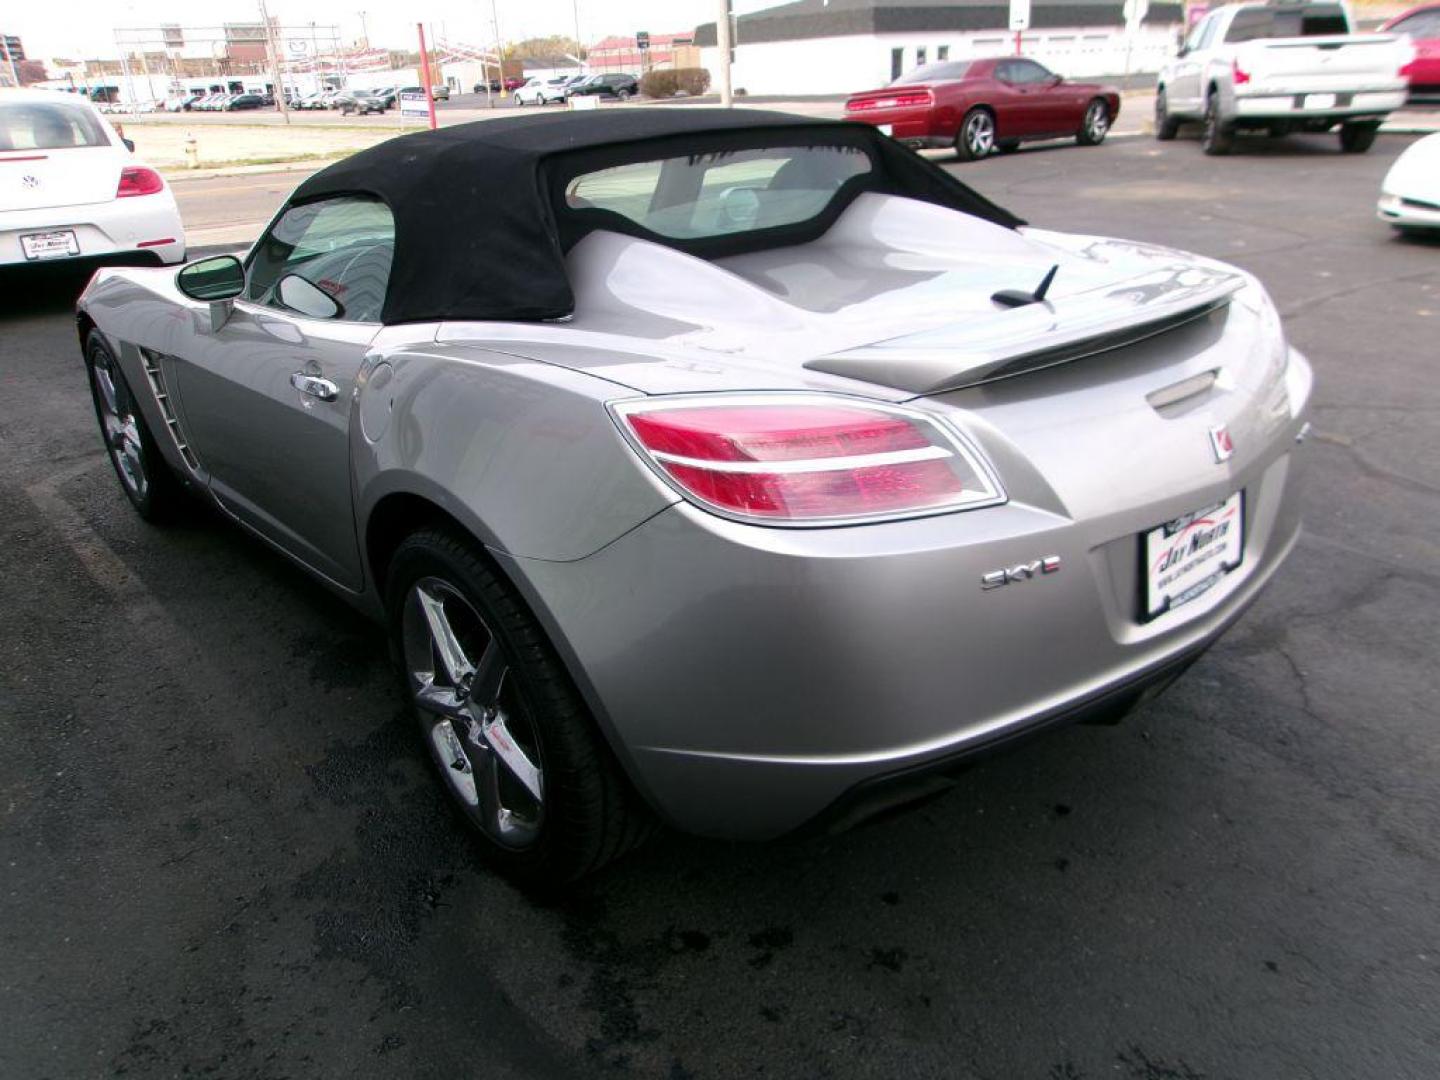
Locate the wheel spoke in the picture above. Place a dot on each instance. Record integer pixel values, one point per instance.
(489, 676)
(440, 699)
(452, 653)
(497, 737)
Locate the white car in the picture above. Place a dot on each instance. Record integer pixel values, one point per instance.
(71, 189)
(542, 91)
(1410, 193)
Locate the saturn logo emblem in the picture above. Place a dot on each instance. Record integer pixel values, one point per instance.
(1220, 443)
(30, 181)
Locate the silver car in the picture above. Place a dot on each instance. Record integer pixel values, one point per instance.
(723, 469)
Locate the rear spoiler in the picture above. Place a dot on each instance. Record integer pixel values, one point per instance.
(1015, 341)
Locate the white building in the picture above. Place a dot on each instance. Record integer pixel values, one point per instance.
(840, 46)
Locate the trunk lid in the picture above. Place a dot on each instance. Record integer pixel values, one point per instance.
(39, 179)
(894, 301)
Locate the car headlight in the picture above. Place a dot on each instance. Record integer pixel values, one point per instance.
(807, 459)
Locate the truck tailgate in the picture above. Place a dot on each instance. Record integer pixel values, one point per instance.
(1306, 64)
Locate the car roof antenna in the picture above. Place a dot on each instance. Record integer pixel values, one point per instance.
(1019, 297)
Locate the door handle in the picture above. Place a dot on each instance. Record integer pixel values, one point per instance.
(323, 389)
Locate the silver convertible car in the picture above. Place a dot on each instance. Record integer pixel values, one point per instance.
(724, 469)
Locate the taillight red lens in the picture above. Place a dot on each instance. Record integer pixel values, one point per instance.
(1241, 75)
(808, 460)
(900, 100)
(138, 180)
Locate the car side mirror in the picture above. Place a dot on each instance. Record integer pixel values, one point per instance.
(129, 144)
(308, 299)
(218, 278)
(217, 281)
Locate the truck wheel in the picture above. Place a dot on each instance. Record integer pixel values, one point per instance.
(1166, 126)
(1357, 138)
(1218, 137)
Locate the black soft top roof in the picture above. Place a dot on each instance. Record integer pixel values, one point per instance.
(476, 229)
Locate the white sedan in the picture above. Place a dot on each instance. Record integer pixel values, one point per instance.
(1410, 193)
(71, 189)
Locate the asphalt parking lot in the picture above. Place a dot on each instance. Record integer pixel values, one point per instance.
(223, 854)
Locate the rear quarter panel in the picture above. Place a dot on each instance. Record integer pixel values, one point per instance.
(522, 453)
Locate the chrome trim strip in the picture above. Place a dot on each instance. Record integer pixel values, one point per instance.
(810, 465)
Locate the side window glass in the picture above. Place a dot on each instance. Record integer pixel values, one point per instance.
(342, 246)
(1200, 37)
(1005, 72)
(1030, 73)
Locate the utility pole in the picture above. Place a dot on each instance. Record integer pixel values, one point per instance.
(273, 52)
(722, 42)
(364, 32)
(499, 49)
(579, 42)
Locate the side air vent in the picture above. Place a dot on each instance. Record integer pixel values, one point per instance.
(156, 376)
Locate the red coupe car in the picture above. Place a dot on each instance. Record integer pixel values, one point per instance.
(979, 106)
(1423, 25)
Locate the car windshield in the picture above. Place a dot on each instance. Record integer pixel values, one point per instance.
(46, 126)
(947, 72)
(721, 193)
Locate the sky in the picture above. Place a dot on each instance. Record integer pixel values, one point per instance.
(84, 28)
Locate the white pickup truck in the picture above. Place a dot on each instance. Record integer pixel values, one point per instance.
(1282, 67)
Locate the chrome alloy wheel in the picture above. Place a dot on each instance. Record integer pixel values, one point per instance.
(1097, 121)
(980, 134)
(475, 720)
(122, 433)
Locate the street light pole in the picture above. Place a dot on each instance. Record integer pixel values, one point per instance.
(722, 42)
(273, 52)
(364, 32)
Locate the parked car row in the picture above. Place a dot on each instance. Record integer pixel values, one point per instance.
(1271, 67)
(560, 88)
(495, 86)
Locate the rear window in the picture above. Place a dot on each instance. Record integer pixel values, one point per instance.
(722, 193)
(46, 126)
(1315, 20)
(947, 72)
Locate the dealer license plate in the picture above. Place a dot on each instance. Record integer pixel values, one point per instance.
(1185, 557)
(1319, 101)
(50, 245)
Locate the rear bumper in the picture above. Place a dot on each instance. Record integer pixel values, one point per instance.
(751, 678)
(1346, 105)
(147, 225)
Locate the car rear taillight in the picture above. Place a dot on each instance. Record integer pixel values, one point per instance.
(806, 459)
(901, 100)
(138, 180)
(1241, 75)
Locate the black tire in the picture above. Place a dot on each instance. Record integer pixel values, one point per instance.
(1166, 126)
(1359, 137)
(1095, 124)
(622, 95)
(971, 142)
(144, 476)
(1218, 138)
(589, 813)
